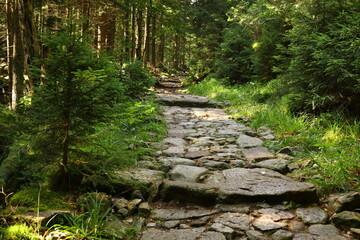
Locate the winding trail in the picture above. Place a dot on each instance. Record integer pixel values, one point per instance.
(222, 183)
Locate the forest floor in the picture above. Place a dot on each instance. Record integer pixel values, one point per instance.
(222, 183)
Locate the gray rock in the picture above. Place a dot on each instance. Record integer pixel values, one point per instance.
(236, 221)
(144, 209)
(174, 151)
(278, 165)
(255, 235)
(171, 224)
(139, 223)
(179, 214)
(265, 224)
(268, 137)
(176, 234)
(282, 235)
(238, 184)
(239, 208)
(303, 236)
(211, 236)
(173, 161)
(245, 141)
(197, 154)
(296, 226)
(189, 192)
(257, 154)
(215, 164)
(200, 222)
(185, 100)
(312, 215)
(175, 141)
(325, 232)
(218, 227)
(238, 163)
(187, 173)
(274, 214)
(343, 201)
(346, 220)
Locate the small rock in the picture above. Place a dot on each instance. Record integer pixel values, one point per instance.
(184, 226)
(133, 204)
(303, 236)
(151, 224)
(255, 235)
(245, 141)
(239, 208)
(235, 221)
(210, 235)
(215, 164)
(320, 231)
(174, 151)
(282, 235)
(218, 227)
(343, 201)
(287, 150)
(144, 209)
(238, 163)
(200, 222)
(296, 226)
(187, 173)
(179, 214)
(266, 224)
(293, 166)
(278, 165)
(173, 161)
(171, 224)
(139, 223)
(312, 215)
(175, 141)
(346, 219)
(355, 231)
(257, 154)
(197, 154)
(136, 194)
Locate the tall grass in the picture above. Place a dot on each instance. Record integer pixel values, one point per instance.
(330, 144)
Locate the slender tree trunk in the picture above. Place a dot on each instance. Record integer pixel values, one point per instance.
(153, 41)
(127, 35)
(140, 33)
(17, 71)
(148, 35)
(9, 44)
(176, 51)
(133, 32)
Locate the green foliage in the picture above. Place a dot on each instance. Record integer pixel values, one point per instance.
(29, 198)
(137, 79)
(91, 224)
(233, 59)
(19, 232)
(322, 64)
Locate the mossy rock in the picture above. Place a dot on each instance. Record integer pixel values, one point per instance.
(48, 199)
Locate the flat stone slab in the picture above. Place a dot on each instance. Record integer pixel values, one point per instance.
(236, 221)
(174, 151)
(185, 100)
(181, 234)
(187, 173)
(312, 215)
(173, 161)
(322, 232)
(142, 176)
(239, 184)
(178, 214)
(279, 165)
(245, 141)
(197, 154)
(175, 141)
(257, 154)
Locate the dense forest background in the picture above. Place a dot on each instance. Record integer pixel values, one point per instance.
(75, 78)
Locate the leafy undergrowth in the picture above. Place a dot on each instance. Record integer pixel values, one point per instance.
(328, 145)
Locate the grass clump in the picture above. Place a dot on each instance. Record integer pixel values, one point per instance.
(329, 142)
(29, 198)
(19, 232)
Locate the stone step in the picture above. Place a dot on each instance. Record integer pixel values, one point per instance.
(186, 100)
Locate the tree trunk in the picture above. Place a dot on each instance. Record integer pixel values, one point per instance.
(153, 41)
(148, 36)
(16, 75)
(133, 33)
(140, 33)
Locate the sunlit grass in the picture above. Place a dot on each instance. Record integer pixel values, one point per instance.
(331, 143)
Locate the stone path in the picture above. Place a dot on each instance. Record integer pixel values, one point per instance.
(222, 183)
